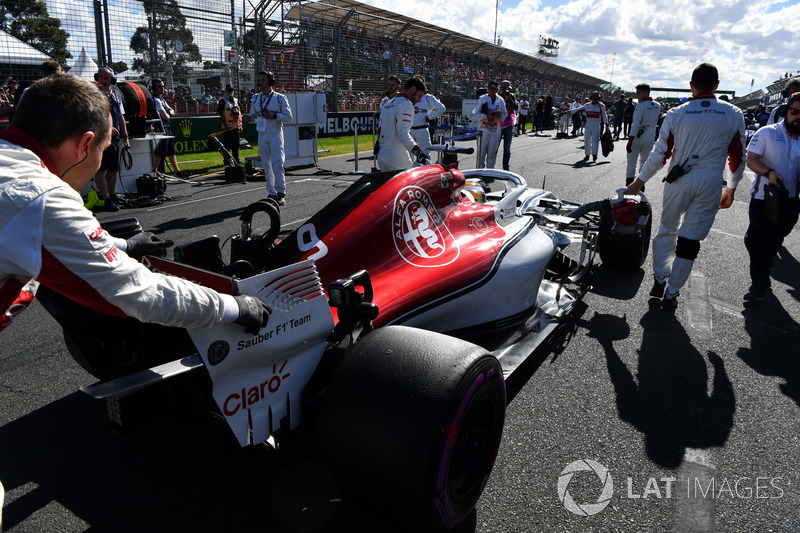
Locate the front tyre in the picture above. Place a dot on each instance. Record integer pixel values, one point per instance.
(411, 422)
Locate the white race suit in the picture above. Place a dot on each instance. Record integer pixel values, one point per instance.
(595, 118)
(643, 134)
(395, 138)
(428, 108)
(699, 135)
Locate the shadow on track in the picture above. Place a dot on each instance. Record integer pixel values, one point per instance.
(666, 398)
(772, 328)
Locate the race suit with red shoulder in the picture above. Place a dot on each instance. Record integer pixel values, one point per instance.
(699, 135)
(47, 235)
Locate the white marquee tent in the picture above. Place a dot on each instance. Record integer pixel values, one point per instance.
(84, 66)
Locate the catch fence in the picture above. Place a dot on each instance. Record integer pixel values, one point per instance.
(340, 47)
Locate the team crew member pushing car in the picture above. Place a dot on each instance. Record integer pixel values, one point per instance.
(395, 144)
(48, 154)
(699, 135)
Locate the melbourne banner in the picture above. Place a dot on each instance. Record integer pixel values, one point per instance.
(191, 133)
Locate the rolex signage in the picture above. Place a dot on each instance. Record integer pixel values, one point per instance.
(191, 133)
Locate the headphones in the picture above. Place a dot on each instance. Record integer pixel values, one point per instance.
(113, 78)
(270, 77)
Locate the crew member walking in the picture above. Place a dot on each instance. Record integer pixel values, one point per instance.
(700, 135)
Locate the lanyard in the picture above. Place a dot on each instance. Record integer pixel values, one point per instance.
(262, 104)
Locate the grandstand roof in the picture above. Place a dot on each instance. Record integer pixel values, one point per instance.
(387, 22)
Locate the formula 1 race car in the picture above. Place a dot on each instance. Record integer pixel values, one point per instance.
(397, 310)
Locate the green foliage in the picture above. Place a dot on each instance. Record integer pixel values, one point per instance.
(119, 67)
(213, 65)
(247, 44)
(169, 28)
(31, 23)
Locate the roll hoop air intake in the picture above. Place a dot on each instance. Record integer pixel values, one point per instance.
(254, 249)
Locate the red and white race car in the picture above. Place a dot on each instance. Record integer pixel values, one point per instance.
(397, 310)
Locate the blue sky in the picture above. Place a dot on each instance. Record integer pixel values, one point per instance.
(656, 41)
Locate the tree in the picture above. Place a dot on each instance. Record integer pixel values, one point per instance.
(174, 41)
(119, 67)
(213, 65)
(31, 24)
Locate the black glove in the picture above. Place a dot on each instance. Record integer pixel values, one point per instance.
(253, 313)
(147, 243)
(422, 159)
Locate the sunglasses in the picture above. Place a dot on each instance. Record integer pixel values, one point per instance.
(794, 111)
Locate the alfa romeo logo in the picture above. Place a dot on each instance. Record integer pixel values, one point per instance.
(420, 236)
(585, 509)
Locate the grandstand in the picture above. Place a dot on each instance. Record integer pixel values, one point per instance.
(357, 46)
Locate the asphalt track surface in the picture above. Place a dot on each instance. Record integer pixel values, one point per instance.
(694, 417)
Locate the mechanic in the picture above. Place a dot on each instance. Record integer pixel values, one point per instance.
(231, 116)
(507, 125)
(49, 153)
(596, 118)
(392, 86)
(699, 136)
(642, 135)
(428, 109)
(779, 113)
(270, 109)
(492, 109)
(106, 178)
(395, 144)
(774, 155)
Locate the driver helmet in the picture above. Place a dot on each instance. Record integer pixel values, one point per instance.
(473, 189)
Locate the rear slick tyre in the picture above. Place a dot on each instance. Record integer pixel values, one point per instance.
(411, 423)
